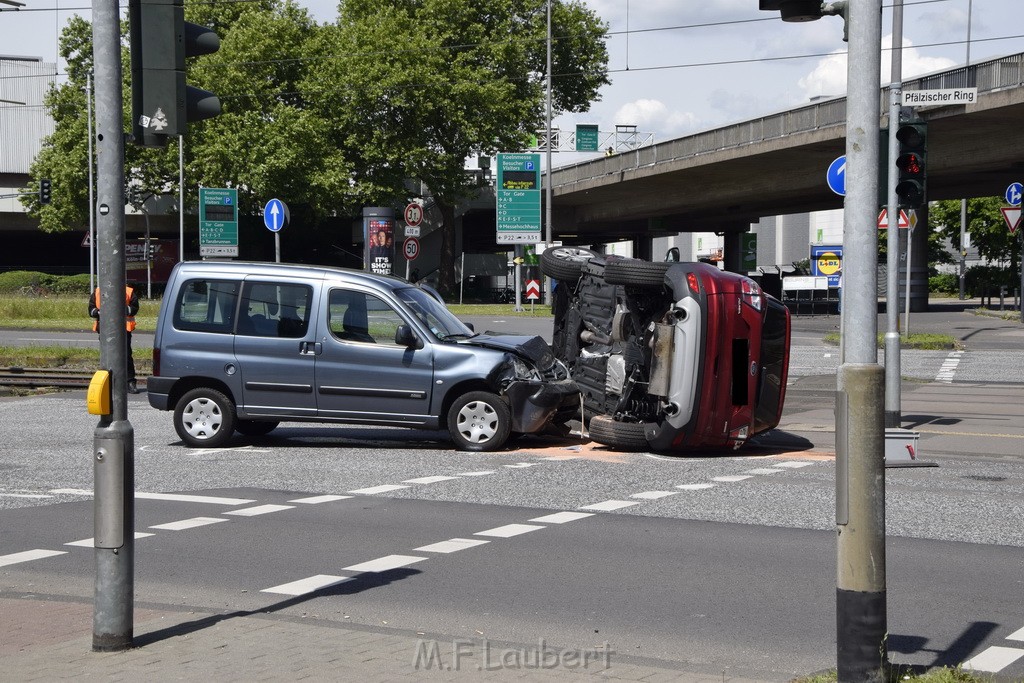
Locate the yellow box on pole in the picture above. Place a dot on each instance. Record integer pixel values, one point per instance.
(97, 398)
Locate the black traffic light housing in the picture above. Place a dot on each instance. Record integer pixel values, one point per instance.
(44, 191)
(161, 40)
(911, 164)
(793, 10)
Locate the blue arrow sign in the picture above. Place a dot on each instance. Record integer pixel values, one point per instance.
(1013, 194)
(836, 176)
(274, 215)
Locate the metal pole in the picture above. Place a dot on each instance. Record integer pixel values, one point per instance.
(181, 198)
(906, 301)
(92, 185)
(149, 269)
(277, 247)
(892, 288)
(861, 653)
(963, 202)
(113, 437)
(547, 188)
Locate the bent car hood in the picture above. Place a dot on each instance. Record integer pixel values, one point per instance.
(533, 348)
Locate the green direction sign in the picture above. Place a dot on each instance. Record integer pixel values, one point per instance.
(586, 137)
(218, 221)
(748, 252)
(518, 199)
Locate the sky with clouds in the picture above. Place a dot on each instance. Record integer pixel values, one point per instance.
(681, 66)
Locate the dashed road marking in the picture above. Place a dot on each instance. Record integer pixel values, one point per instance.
(509, 530)
(562, 517)
(732, 477)
(308, 585)
(259, 510)
(609, 505)
(694, 487)
(188, 523)
(91, 542)
(316, 500)
(653, 495)
(1016, 635)
(383, 488)
(28, 556)
(428, 480)
(763, 470)
(793, 464)
(451, 545)
(175, 497)
(384, 564)
(993, 660)
(479, 473)
(948, 368)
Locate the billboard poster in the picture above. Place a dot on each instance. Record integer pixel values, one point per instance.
(380, 244)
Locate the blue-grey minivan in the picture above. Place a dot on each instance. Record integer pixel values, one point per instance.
(245, 346)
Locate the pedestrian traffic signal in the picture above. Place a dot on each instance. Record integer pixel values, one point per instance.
(161, 40)
(44, 191)
(911, 164)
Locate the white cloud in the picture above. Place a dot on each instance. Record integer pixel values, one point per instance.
(650, 115)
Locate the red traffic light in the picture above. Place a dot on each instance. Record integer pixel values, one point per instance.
(910, 165)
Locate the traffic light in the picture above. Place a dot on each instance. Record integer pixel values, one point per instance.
(161, 40)
(911, 164)
(44, 191)
(793, 10)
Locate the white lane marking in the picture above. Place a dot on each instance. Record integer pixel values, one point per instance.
(993, 660)
(24, 495)
(509, 530)
(520, 465)
(562, 517)
(1016, 635)
(733, 477)
(794, 464)
(177, 497)
(28, 556)
(307, 585)
(653, 495)
(91, 542)
(259, 510)
(694, 487)
(428, 480)
(562, 457)
(451, 545)
(609, 505)
(948, 368)
(479, 473)
(383, 564)
(188, 523)
(316, 500)
(383, 488)
(763, 470)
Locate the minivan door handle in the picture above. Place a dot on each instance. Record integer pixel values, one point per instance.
(308, 348)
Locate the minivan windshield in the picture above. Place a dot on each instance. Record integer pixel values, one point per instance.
(433, 314)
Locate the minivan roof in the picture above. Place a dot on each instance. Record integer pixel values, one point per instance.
(298, 270)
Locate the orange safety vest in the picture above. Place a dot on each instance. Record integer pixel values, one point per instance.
(129, 321)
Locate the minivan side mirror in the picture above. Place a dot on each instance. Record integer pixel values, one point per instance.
(404, 336)
(469, 325)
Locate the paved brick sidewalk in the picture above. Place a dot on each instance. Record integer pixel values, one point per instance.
(45, 640)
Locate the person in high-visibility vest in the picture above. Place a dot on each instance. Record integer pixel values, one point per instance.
(131, 302)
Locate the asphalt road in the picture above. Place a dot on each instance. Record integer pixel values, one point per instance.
(723, 563)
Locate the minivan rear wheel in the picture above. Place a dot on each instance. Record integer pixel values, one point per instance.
(565, 263)
(479, 421)
(204, 418)
(623, 436)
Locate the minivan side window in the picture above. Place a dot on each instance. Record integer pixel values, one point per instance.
(207, 306)
(274, 309)
(360, 317)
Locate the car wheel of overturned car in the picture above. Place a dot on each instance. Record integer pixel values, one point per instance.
(255, 427)
(204, 418)
(565, 263)
(631, 272)
(479, 421)
(624, 436)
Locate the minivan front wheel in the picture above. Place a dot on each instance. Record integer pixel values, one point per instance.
(479, 421)
(204, 418)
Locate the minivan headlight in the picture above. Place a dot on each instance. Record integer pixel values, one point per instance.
(524, 370)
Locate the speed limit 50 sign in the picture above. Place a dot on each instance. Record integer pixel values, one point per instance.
(411, 248)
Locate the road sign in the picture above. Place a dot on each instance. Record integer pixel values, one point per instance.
(1013, 194)
(218, 221)
(533, 289)
(587, 137)
(413, 215)
(411, 248)
(411, 231)
(883, 219)
(935, 98)
(836, 176)
(1011, 214)
(827, 261)
(275, 215)
(518, 199)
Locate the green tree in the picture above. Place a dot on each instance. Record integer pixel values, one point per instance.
(412, 88)
(985, 223)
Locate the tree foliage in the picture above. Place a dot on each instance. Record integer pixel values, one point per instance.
(333, 117)
(985, 224)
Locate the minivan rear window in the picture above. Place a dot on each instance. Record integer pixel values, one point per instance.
(207, 306)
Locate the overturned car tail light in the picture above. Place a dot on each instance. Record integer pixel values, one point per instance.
(739, 436)
(693, 283)
(752, 295)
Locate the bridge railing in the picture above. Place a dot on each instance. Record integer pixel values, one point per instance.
(995, 74)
